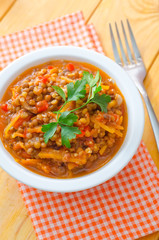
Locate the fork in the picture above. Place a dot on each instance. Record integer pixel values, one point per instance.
(134, 66)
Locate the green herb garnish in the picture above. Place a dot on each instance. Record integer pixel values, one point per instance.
(75, 91)
(68, 133)
(49, 130)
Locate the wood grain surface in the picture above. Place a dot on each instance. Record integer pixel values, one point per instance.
(5, 6)
(16, 15)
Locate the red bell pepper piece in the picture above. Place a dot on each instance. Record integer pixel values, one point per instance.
(70, 67)
(4, 107)
(87, 128)
(42, 106)
(82, 134)
(50, 67)
(43, 78)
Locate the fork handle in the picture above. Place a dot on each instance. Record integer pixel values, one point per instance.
(152, 116)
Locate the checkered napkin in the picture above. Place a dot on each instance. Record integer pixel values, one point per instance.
(126, 206)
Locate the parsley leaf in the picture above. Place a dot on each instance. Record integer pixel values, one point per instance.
(90, 79)
(60, 92)
(102, 101)
(67, 118)
(49, 130)
(68, 133)
(76, 90)
(96, 89)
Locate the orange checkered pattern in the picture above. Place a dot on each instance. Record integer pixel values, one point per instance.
(126, 206)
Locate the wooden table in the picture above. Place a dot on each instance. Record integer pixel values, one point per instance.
(144, 17)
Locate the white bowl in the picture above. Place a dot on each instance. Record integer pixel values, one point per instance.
(135, 119)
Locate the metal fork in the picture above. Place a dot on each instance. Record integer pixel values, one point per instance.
(134, 66)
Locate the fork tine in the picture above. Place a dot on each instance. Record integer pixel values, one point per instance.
(121, 46)
(115, 50)
(127, 44)
(134, 45)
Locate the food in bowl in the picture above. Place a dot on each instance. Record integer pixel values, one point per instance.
(63, 119)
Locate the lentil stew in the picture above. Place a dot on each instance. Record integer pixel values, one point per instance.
(32, 101)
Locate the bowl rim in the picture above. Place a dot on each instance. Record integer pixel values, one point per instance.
(134, 108)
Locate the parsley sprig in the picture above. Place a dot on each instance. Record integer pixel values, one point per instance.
(75, 92)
